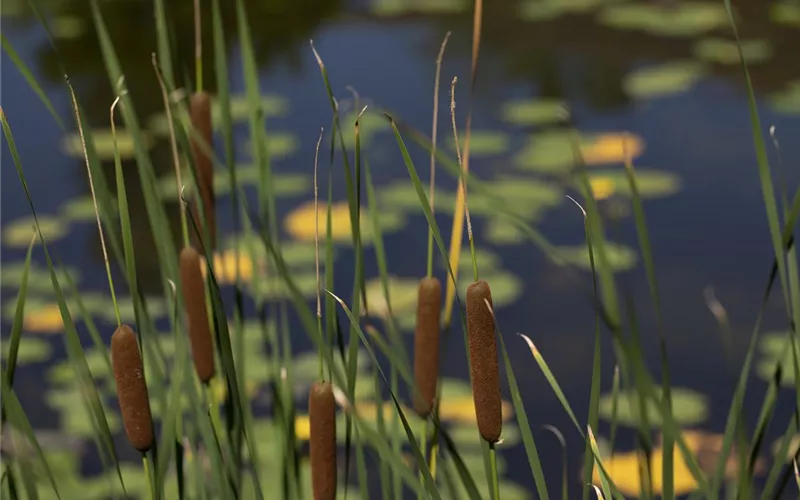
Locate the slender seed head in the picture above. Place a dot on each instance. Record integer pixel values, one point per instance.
(194, 299)
(134, 403)
(426, 344)
(483, 358)
(322, 441)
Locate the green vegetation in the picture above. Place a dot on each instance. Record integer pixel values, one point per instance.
(242, 433)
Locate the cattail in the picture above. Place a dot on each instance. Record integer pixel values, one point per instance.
(195, 303)
(322, 442)
(200, 110)
(131, 388)
(426, 344)
(483, 357)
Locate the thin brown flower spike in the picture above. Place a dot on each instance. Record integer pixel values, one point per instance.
(195, 303)
(200, 111)
(483, 358)
(426, 344)
(131, 388)
(322, 441)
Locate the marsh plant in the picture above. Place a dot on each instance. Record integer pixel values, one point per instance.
(185, 396)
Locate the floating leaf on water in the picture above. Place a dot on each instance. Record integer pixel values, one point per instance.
(552, 151)
(506, 286)
(534, 112)
(80, 209)
(278, 144)
(776, 348)
(791, 450)
(688, 408)
(67, 27)
(38, 277)
(787, 101)
(663, 80)
(785, 12)
(723, 51)
(679, 19)
(271, 106)
(466, 436)
(461, 409)
(620, 258)
(482, 142)
(650, 183)
(31, 350)
(103, 144)
(75, 419)
(283, 184)
(402, 292)
(300, 223)
(18, 233)
(500, 231)
(541, 10)
(43, 319)
(369, 124)
(398, 7)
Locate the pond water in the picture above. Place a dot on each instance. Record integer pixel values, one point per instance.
(664, 71)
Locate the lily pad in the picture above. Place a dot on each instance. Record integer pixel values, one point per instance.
(688, 408)
(553, 151)
(723, 51)
(67, 27)
(482, 142)
(18, 233)
(103, 142)
(271, 106)
(402, 292)
(650, 183)
(300, 223)
(38, 277)
(776, 348)
(31, 350)
(279, 145)
(501, 231)
(679, 19)
(398, 7)
(534, 112)
(664, 80)
(369, 125)
(787, 101)
(81, 209)
(283, 184)
(75, 419)
(541, 10)
(620, 258)
(786, 12)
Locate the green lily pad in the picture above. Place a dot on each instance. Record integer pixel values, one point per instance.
(506, 287)
(787, 101)
(103, 142)
(664, 80)
(549, 152)
(501, 231)
(283, 184)
(722, 51)
(38, 277)
(786, 12)
(18, 233)
(402, 293)
(31, 350)
(620, 258)
(75, 419)
(541, 10)
(534, 112)
(279, 145)
(397, 7)
(688, 408)
(81, 209)
(369, 125)
(681, 19)
(650, 183)
(775, 349)
(466, 436)
(482, 142)
(271, 106)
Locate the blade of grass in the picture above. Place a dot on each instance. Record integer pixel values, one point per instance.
(19, 317)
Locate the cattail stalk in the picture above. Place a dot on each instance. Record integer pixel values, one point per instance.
(322, 442)
(426, 344)
(197, 316)
(483, 360)
(200, 113)
(131, 388)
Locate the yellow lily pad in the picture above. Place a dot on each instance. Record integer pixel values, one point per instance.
(553, 151)
(300, 223)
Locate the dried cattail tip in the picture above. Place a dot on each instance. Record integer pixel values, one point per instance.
(131, 388)
(426, 344)
(322, 442)
(195, 303)
(483, 358)
(200, 111)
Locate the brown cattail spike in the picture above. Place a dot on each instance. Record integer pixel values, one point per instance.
(322, 442)
(426, 344)
(131, 388)
(483, 358)
(200, 110)
(194, 299)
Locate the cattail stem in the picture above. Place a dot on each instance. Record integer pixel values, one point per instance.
(483, 361)
(134, 403)
(194, 301)
(493, 475)
(322, 441)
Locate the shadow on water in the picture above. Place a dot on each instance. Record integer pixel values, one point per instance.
(710, 233)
